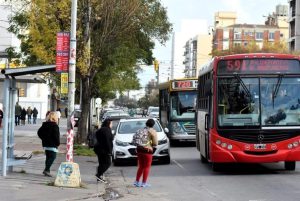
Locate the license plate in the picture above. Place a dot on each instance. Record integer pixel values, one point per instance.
(260, 146)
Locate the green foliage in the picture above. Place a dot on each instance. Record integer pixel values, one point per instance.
(82, 150)
(121, 34)
(125, 101)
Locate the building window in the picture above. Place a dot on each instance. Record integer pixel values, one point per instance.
(259, 36)
(271, 36)
(237, 44)
(248, 34)
(237, 35)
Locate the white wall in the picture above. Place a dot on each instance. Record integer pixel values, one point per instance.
(189, 28)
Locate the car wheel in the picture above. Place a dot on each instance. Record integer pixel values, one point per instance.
(290, 165)
(166, 159)
(116, 162)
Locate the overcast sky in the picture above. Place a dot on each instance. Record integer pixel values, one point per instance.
(248, 11)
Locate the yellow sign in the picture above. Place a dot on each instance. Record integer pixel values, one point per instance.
(64, 83)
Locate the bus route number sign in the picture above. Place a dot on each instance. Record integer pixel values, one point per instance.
(184, 84)
(258, 66)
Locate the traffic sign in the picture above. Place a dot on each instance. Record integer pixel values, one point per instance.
(62, 51)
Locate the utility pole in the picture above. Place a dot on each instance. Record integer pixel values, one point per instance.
(72, 61)
(173, 56)
(73, 178)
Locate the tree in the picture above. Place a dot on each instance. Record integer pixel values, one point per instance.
(111, 39)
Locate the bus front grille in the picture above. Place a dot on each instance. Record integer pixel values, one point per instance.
(267, 138)
(190, 129)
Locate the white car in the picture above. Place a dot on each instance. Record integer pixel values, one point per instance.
(124, 150)
(154, 114)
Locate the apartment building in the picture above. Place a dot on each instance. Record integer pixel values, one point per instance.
(243, 34)
(197, 52)
(294, 25)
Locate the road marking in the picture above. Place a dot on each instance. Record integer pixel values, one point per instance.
(178, 164)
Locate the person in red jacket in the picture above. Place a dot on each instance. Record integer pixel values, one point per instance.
(50, 136)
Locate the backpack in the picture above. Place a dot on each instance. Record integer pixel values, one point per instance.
(92, 139)
(140, 138)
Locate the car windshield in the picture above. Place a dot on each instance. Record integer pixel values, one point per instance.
(115, 124)
(132, 126)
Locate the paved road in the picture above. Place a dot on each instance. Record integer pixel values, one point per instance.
(186, 178)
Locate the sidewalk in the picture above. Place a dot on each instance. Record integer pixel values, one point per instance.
(26, 182)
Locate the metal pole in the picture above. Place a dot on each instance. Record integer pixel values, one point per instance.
(173, 56)
(5, 127)
(72, 61)
(11, 138)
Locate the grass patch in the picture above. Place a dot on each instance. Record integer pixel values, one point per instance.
(83, 150)
(51, 183)
(37, 152)
(22, 171)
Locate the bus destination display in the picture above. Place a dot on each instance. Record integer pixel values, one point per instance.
(258, 66)
(184, 84)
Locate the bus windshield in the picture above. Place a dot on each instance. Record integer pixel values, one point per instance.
(272, 101)
(183, 104)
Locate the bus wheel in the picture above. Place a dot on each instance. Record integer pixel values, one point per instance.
(290, 165)
(203, 159)
(217, 167)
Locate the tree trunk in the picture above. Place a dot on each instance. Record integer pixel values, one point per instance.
(85, 111)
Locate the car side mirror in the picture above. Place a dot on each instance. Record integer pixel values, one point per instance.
(166, 130)
(113, 132)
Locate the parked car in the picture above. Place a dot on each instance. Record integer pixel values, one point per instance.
(123, 149)
(113, 113)
(154, 114)
(152, 109)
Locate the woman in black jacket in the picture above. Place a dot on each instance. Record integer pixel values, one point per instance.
(50, 136)
(103, 148)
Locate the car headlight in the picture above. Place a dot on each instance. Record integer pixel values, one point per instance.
(122, 144)
(177, 128)
(163, 141)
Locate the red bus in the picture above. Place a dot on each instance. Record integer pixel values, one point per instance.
(248, 110)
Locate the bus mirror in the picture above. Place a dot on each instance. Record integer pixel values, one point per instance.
(166, 130)
(207, 88)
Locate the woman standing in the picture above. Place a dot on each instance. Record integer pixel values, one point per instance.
(23, 116)
(144, 155)
(103, 148)
(50, 136)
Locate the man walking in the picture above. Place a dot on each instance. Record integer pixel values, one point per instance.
(34, 115)
(29, 114)
(18, 110)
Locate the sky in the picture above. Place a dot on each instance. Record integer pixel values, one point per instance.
(248, 11)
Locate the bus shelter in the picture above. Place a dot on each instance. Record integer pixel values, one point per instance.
(10, 77)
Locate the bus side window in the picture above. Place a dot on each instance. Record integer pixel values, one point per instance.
(174, 113)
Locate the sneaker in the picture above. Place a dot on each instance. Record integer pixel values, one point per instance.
(101, 179)
(145, 185)
(137, 184)
(47, 174)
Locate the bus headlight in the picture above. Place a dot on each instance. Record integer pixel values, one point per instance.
(177, 128)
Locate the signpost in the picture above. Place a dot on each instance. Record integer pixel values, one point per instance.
(62, 51)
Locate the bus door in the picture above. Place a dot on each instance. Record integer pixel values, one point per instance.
(204, 118)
